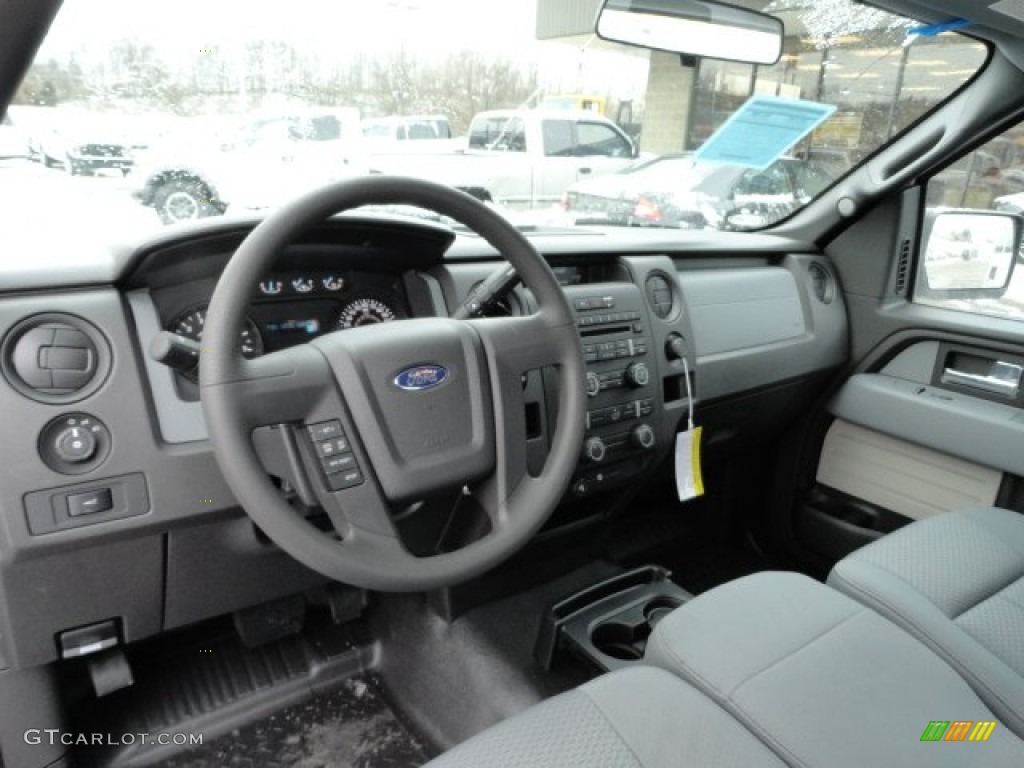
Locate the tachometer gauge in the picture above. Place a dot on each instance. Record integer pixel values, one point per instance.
(191, 323)
(364, 310)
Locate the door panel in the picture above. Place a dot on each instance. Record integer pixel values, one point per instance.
(897, 475)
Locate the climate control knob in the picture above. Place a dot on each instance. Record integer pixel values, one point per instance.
(595, 449)
(637, 375)
(593, 384)
(642, 437)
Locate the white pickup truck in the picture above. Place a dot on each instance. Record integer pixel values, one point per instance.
(522, 159)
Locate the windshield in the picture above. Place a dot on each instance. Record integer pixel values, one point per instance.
(139, 115)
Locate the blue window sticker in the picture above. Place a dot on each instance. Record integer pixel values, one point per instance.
(760, 131)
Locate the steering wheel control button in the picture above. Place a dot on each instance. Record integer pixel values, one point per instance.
(334, 464)
(332, 447)
(74, 444)
(90, 503)
(325, 430)
(347, 479)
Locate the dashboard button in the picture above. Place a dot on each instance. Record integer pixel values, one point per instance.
(90, 503)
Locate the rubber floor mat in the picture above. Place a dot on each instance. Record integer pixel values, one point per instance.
(352, 727)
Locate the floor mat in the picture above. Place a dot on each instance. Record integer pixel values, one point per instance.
(352, 727)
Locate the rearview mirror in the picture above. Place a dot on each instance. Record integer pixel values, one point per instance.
(711, 29)
(969, 254)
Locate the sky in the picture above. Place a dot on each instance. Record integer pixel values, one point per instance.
(180, 27)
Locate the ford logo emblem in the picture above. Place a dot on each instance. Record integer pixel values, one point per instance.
(421, 377)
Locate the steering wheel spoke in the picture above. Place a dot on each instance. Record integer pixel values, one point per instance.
(289, 386)
(517, 345)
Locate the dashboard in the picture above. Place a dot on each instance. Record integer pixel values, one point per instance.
(143, 495)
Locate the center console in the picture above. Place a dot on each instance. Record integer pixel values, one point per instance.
(623, 409)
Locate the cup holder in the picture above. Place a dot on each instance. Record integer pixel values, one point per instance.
(624, 635)
(608, 624)
(659, 608)
(621, 641)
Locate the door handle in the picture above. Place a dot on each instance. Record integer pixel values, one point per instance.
(1007, 385)
(583, 171)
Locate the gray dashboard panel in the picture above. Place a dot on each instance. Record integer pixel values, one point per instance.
(180, 421)
(979, 430)
(721, 302)
(757, 326)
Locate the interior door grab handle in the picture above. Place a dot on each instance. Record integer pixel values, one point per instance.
(1004, 379)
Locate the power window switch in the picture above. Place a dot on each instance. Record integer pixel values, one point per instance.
(90, 502)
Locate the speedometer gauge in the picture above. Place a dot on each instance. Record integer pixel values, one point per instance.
(191, 323)
(364, 310)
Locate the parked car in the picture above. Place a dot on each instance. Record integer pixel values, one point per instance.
(13, 141)
(250, 163)
(678, 191)
(524, 158)
(407, 128)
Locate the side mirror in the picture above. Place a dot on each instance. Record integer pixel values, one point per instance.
(693, 27)
(969, 254)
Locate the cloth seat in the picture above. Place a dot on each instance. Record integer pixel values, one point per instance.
(634, 718)
(822, 679)
(956, 582)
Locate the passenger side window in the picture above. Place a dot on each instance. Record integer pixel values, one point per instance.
(502, 134)
(558, 139)
(810, 180)
(960, 272)
(597, 139)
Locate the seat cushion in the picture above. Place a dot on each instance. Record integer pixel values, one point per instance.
(956, 582)
(635, 718)
(822, 679)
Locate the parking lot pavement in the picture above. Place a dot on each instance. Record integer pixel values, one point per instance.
(42, 199)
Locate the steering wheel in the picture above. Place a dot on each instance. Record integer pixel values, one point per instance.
(409, 408)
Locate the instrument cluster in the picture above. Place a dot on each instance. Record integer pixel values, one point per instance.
(292, 308)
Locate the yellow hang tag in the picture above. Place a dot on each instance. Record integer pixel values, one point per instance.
(689, 483)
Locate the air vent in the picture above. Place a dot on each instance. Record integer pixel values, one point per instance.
(55, 358)
(822, 285)
(660, 296)
(902, 267)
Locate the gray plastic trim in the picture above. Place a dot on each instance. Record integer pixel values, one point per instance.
(978, 430)
(180, 421)
(915, 363)
(721, 303)
(758, 326)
